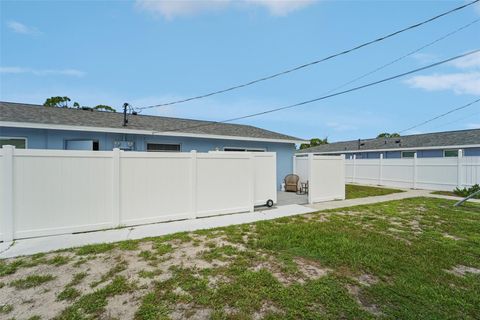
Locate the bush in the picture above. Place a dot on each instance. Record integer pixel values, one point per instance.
(465, 192)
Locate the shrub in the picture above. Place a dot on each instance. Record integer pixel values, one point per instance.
(465, 192)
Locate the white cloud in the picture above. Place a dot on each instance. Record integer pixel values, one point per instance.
(460, 83)
(281, 7)
(170, 9)
(18, 27)
(42, 72)
(471, 61)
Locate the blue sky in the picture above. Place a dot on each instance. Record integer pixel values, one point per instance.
(148, 52)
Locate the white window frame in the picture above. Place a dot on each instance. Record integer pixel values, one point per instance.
(401, 154)
(244, 149)
(457, 150)
(24, 138)
(169, 144)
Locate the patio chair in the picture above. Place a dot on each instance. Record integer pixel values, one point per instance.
(291, 183)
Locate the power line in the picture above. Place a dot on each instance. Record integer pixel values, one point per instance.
(313, 62)
(454, 121)
(404, 56)
(330, 95)
(440, 116)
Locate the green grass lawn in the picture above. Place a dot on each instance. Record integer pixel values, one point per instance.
(447, 193)
(410, 259)
(353, 191)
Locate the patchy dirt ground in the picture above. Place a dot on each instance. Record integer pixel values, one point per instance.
(335, 264)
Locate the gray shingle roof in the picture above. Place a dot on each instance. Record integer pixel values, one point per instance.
(436, 139)
(37, 114)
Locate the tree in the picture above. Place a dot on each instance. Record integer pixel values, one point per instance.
(388, 135)
(314, 142)
(60, 102)
(104, 108)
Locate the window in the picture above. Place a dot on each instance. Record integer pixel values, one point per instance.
(408, 154)
(162, 147)
(19, 143)
(244, 149)
(450, 153)
(82, 145)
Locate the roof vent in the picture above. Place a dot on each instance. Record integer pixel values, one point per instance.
(397, 141)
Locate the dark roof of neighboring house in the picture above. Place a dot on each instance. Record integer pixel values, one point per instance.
(37, 114)
(436, 139)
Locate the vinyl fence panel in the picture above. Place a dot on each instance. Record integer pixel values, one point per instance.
(58, 192)
(326, 178)
(155, 186)
(225, 182)
(444, 174)
(265, 177)
(301, 167)
(49, 192)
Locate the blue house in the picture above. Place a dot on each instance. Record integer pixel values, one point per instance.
(39, 127)
(428, 145)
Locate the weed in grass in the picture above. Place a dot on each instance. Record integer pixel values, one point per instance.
(149, 274)
(222, 253)
(95, 248)
(31, 281)
(162, 248)
(93, 304)
(77, 278)
(2, 285)
(6, 308)
(10, 268)
(152, 309)
(119, 267)
(59, 260)
(147, 255)
(69, 294)
(128, 245)
(35, 317)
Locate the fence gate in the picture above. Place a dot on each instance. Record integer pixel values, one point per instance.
(325, 176)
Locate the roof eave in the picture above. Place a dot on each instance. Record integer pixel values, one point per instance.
(32, 125)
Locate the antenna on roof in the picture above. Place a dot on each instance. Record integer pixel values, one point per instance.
(125, 120)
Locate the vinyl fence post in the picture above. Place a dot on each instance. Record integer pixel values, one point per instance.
(415, 170)
(311, 184)
(459, 169)
(252, 181)
(117, 214)
(380, 169)
(7, 206)
(354, 173)
(193, 209)
(294, 164)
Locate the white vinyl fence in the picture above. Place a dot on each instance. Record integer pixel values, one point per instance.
(325, 176)
(443, 174)
(48, 192)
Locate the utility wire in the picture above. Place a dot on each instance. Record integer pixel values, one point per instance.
(313, 62)
(457, 120)
(404, 56)
(329, 95)
(440, 116)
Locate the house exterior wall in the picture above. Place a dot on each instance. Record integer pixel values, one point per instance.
(436, 153)
(56, 139)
